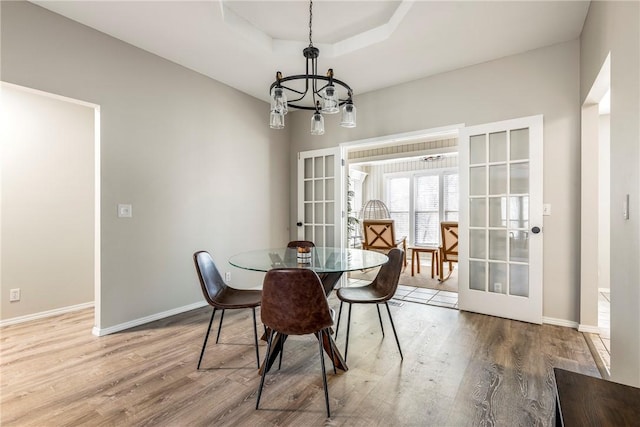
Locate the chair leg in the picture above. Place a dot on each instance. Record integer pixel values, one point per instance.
(339, 314)
(220, 326)
(264, 371)
(346, 347)
(380, 317)
(281, 345)
(206, 337)
(255, 336)
(394, 330)
(404, 248)
(324, 373)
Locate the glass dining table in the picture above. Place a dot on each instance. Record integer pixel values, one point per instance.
(329, 263)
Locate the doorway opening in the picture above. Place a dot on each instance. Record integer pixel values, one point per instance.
(596, 286)
(413, 177)
(50, 204)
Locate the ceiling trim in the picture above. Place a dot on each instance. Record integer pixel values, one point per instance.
(262, 40)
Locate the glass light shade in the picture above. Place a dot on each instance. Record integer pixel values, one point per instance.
(276, 120)
(348, 116)
(317, 124)
(330, 103)
(279, 100)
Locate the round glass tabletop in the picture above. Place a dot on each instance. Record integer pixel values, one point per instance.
(320, 259)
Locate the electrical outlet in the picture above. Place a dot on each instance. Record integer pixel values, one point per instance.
(227, 277)
(14, 294)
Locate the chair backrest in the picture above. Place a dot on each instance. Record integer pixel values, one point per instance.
(378, 234)
(449, 232)
(294, 302)
(386, 281)
(210, 279)
(301, 244)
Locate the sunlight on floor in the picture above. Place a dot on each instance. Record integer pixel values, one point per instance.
(418, 295)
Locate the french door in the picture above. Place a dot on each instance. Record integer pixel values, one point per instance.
(320, 197)
(500, 241)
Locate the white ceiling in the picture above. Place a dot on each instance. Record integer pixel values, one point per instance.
(369, 44)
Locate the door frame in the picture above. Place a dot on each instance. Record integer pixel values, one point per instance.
(97, 284)
(390, 140)
(591, 207)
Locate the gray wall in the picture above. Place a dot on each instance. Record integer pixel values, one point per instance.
(48, 200)
(543, 81)
(615, 27)
(195, 158)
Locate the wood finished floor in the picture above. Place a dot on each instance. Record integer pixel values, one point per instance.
(459, 369)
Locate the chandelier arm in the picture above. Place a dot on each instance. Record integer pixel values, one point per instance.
(303, 94)
(303, 76)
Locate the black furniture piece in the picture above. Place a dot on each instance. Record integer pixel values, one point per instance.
(582, 400)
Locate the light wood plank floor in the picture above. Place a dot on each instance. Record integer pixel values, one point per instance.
(459, 369)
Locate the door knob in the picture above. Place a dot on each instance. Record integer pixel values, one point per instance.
(299, 224)
(535, 230)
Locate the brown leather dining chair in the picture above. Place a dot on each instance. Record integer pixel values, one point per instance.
(377, 292)
(222, 297)
(294, 303)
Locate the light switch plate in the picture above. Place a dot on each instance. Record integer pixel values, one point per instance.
(546, 209)
(125, 211)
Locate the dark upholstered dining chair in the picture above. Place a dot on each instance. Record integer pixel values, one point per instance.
(294, 303)
(222, 297)
(377, 292)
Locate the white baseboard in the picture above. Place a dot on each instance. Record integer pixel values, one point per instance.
(43, 314)
(137, 322)
(589, 329)
(559, 322)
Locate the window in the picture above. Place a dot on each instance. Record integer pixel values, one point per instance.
(419, 201)
(398, 202)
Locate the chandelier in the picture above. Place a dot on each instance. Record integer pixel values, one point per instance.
(310, 91)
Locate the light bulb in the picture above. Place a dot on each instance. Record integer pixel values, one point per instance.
(317, 124)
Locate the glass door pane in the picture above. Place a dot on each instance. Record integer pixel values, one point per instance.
(318, 192)
(498, 212)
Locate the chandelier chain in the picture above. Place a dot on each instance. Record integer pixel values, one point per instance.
(310, 21)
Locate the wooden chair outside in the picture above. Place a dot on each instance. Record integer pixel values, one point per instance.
(379, 235)
(449, 247)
